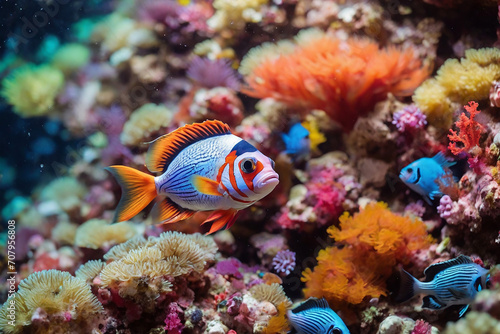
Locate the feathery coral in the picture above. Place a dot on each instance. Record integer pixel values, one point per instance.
(64, 232)
(63, 304)
(66, 191)
(121, 250)
(470, 131)
(31, 89)
(458, 82)
(343, 78)
(89, 270)
(278, 324)
(374, 240)
(271, 293)
(144, 122)
(98, 233)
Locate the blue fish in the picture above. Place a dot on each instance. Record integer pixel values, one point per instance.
(452, 282)
(421, 175)
(297, 141)
(314, 316)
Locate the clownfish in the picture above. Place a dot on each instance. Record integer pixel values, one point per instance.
(314, 316)
(421, 175)
(203, 167)
(453, 282)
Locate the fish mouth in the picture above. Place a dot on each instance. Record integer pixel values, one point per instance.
(267, 183)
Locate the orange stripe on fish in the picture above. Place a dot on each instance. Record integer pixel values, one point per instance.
(234, 198)
(230, 160)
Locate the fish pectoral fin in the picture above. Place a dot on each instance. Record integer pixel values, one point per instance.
(463, 310)
(432, 303)
(459, 294)
(434, 194)
(205, 185)
(220, 218)
(167, 212)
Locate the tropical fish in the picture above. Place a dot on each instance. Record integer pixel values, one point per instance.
(452, 282)
(203, 168)
(297, 141)
(421, 175)
(314, 316)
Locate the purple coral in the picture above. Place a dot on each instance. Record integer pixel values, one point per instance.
(173, 324)
(213, 73)
(445, 207)
(409, 119)
(229, 267)
(284, 262)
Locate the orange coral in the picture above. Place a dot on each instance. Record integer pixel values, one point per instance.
(278, 324)
(374, 241)
(343, 78)
(470, 131)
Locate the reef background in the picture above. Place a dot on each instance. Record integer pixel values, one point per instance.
(378, 85)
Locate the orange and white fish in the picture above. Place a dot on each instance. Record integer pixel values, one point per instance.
(203, 168)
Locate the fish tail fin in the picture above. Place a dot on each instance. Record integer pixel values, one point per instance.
(138, 190)
(407, 288)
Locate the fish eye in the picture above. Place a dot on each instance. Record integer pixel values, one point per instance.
(409, 170)
(333, 330)
(248, 165)
(272, 162)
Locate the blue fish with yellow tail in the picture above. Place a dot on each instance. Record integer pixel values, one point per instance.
(314, 316)
(203, 167)
(421, 175)
(452, 282)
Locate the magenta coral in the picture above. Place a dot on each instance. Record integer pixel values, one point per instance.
(422, 327)
(229, 267)
(445, 207)
(284, 262)
(173, 324)
(410, 118)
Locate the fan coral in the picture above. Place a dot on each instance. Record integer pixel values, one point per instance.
(66, 192)
(98, 233)
(284, 262)
(71, 57)
(234, 14)
(343, 78)
(271, 293)
(470, 131)
(144, 122)
(409, 119)
(212, 73)
(374, 240)
(457, 82)
(32, 90)
(89, 270)
(51, 301)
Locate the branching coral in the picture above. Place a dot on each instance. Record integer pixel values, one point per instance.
(374, 240)
(144, 122)
(32, 90)
(98, 233)
(51, 302)
(470, 131)
(343, 78)
(458, 82)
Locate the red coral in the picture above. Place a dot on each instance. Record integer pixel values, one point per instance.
(470, 131)
(422, 327)
(343, 78)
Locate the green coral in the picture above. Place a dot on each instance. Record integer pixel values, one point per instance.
(71, 57)
(456, 83)
(32, 89)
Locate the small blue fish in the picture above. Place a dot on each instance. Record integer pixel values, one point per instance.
(297, 141)
(421, 175)
(314, 316)
(452, 282)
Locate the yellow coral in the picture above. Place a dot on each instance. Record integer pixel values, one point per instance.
(71, 57)
(119, 251)
(278, 324)
(89, 270)
(271, 293)
(374, 241)
(64, 232)
(458, 82)
(144, 122)
(232, 14)
(63, 303)
(98, 233)
(32, 90)
(66, 192)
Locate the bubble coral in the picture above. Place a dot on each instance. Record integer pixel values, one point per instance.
(98, 233)
(212, 73)
(284, 262)
(457, 82)
(374, 241)
(144, 122)
(343, 78)
(32, 90)
(51, 301)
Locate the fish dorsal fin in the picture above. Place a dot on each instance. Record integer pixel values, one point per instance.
(436, 268)
(312, 303)
(163, 150)
(441, 159)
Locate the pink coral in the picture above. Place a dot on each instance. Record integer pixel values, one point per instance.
(422, 327)
(445, 207)
(410, 118)
(213, 73)
(495, 94)
(229, 267)
(284, 262)
(173, 324)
